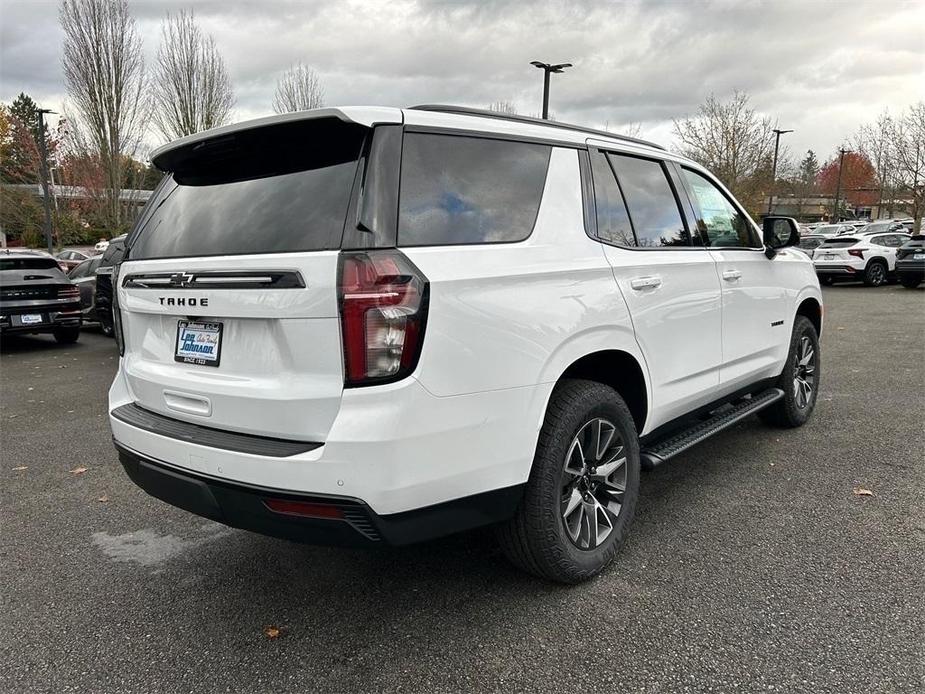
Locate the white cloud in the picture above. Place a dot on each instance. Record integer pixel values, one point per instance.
(821, 68)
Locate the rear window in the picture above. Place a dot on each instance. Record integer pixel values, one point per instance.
(27, 262)
(841, 242)
(270, 190)
(810, 243)
(469, 190)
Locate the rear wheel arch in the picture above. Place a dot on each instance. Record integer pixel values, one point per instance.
(621, 371)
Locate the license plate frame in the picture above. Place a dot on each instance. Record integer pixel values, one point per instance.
(31, 318)
(185, 350)
(918, 256)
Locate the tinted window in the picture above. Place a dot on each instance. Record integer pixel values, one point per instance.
(810, 243)
(719, 219)
(465, 190)
(27, 262)
(652, 205)
(80, 271)
(270, 190)
(613, 222)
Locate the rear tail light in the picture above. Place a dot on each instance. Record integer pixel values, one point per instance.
(383, 311)
(856, 252)
(117, 312)
(69, 292)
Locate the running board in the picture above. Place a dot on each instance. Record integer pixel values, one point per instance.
(658, 452)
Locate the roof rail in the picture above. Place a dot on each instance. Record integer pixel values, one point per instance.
(485, 113)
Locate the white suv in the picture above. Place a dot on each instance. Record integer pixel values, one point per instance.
(867, 256)
(378, 326)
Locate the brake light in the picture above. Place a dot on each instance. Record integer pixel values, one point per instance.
(117, 312)
(68, 292)
(383, 311)
(856, 252)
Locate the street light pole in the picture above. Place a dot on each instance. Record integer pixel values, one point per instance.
(548, 69)
(46, 197)
(777, 134)
(841, 161)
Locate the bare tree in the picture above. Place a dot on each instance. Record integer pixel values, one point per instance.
(908, 149)
(299, 89)
(104, 74)
(190, 89)
(734, 142)
(503, 107)
(874, 140)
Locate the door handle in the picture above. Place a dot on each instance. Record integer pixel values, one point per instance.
(731, 275)
(646, 282)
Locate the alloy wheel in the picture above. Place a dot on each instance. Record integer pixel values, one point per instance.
(877, 275)
(593, 484)
(804, 373)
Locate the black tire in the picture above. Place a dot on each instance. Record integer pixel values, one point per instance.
(910, 282)
(536, 539)
(875, 273)
(791, 410)
(66, 336)
(825, 280)
(106, 326)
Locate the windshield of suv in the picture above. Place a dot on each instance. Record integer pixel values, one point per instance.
(878, 227)
(829, 229)
(275, 189)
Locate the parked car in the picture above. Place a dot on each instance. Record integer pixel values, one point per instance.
(84, 276)
(869, 257)
(111, 257)
(910, 262)
(69, 258)
(504, 338)
(884, 226)
(808, 244)
(101, 246)
(833, 229)
(36, 297)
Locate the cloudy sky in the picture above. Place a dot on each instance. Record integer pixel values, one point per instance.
(822, 68)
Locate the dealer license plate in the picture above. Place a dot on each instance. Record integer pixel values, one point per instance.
(199, 343)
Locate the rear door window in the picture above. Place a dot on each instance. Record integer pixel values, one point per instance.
(613, 220)
(270, 190)
(651, 201)
(469, 190)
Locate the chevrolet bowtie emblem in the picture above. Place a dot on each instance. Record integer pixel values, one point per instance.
(181, 279)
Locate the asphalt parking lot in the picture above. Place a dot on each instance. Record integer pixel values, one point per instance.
(753, 565)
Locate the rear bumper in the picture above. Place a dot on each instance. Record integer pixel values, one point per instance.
(55, 316)
(910, 268)
(324, 519)
(840, 270)
(396, 447)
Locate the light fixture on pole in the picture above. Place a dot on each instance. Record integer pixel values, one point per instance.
(777, 133)
(46, 199)
(548, 69)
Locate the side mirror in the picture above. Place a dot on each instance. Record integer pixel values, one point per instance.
(779, 232)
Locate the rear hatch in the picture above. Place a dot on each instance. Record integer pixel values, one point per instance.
(833, 250)
(228, 291)
(33, 286)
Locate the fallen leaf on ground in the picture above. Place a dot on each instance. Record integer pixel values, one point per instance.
(272, 632)
(78, 471)
(21, 467)
(860, 491)
(103, 498)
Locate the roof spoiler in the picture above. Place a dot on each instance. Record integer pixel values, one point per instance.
(163, 157)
